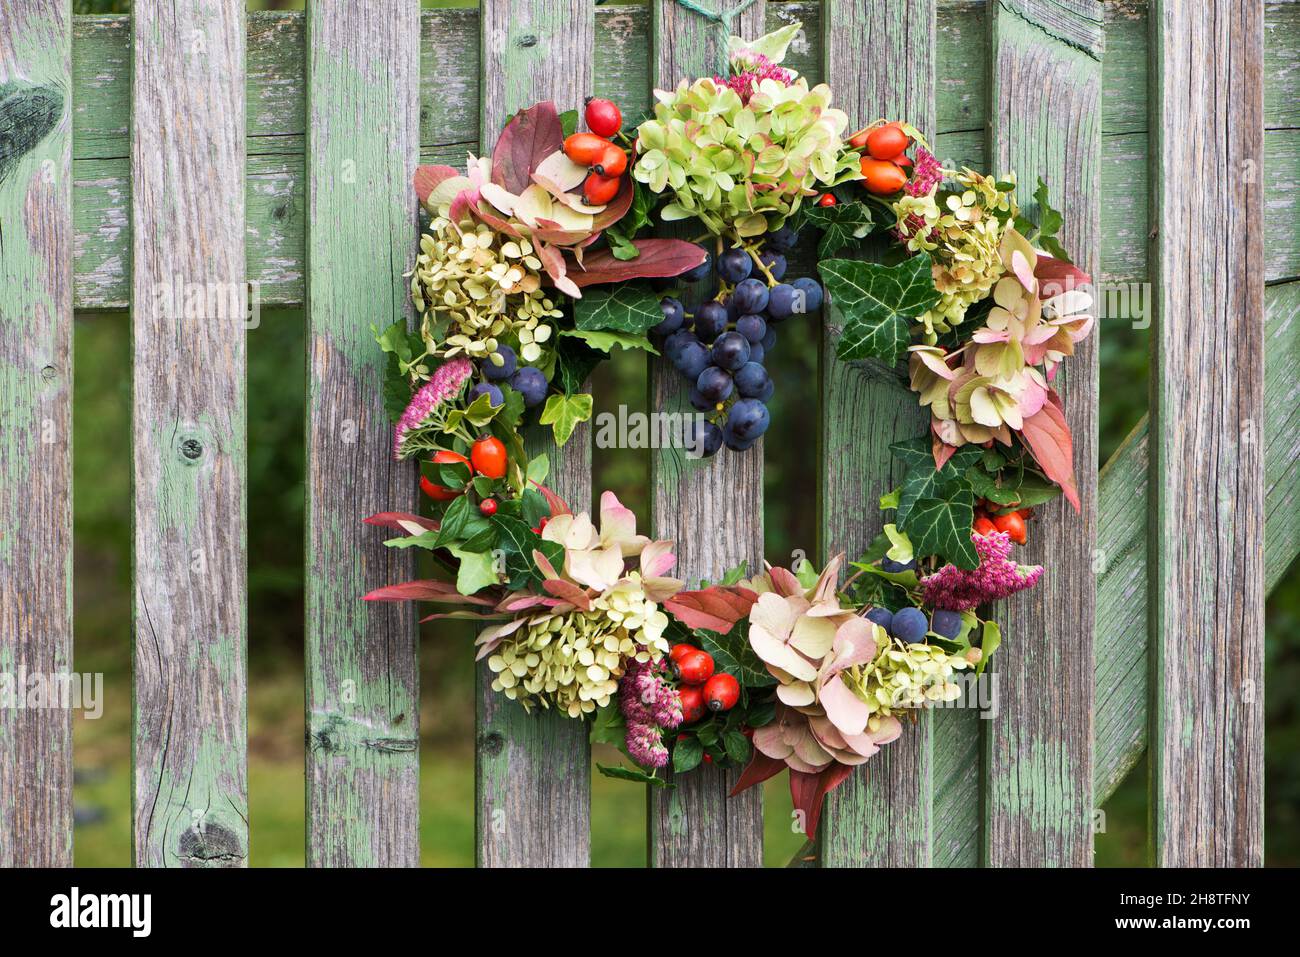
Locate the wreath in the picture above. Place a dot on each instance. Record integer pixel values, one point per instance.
(535, 263)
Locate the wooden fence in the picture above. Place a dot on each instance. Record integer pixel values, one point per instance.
(195, 142)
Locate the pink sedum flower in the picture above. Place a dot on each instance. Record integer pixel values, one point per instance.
(755, 69)
(926, 173)
(446, 383)
(960, 589)
(651, 707)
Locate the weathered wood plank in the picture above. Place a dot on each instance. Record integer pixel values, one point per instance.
(533, 772)
(712, 508)
(187, 219)
(362, 670)
(1206, 570)
(880, 60)
(36, 452)
(1122, 663)
(450, 109)
(1038, 759)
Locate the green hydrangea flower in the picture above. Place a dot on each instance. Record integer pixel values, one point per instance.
(743, 168)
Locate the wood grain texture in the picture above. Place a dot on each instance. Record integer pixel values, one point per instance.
(712, 508)
(362, 669)
(187, 224)
(36, 448)
(879, 59)
(1207, 443)
(533, 772)
(1046, 121)
(450, 110)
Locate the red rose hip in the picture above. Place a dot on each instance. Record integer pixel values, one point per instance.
(721, 692)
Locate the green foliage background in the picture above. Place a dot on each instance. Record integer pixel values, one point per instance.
(102, 497)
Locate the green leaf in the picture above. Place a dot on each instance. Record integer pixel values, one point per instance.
(687, 754)
(841, 225)
(900, 546)
(538, 467)
(942, 527)
(733, 575)
(479, 413)
(574, 362)
(476, 571)
(608, 726)
(621, 246)
(606, 339)
(923, 480)
(737, 746)
(877, 303)
(460, 523)
(627, 307)
(990, 639)
(517, 541)
(889, 500)
(564, 412)
(569, 123)
(632, 774)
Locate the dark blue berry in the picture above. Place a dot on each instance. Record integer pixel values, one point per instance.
(499, 373)
(674, 316)
(714, 384)
(752, 327)
(775, 264)
(748, 419)
(750, 296)
(487, 388)
(710, 321)
(946, 623)
(735, 265)
(731, 351)
(530, 383)
(881, 616)
(781, 302)
(909, 625)
(812, 294)
(751, 379)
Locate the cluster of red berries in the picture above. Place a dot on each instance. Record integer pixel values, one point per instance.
(701, 689)
(605, 161)
(884, 163)
(487, 457)
(1013, 523)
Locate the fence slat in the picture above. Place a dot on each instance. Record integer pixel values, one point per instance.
(712, 508)
(36, 454)
(1207, 447)
(187, 220)
(1046, 88)
(362, 668)
(879, 57)
(533, 772)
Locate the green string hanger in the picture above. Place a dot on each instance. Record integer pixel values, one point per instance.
(724, 19)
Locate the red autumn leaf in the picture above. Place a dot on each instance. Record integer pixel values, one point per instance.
(531, 136)
(759, 769)
(557, 505)
(809, 791)
(1048, 437)
(659, 258)
(425, 590)
(427, 179)
(1056, 276)
(394, 520)
(716, 609)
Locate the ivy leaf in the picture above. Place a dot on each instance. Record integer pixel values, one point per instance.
(623, 308)
(477, 570)
(877, 302)
(737, 746)
(840, 224)
(923, 480)
(517, 542)
(732, 654)
(564, 412)
(574, 362)
(606, 339)
(942, 527)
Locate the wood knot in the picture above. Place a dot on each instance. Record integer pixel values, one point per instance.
(528, 40)
(493, 744)
(191, 449)
(210, 844)
(49, 373)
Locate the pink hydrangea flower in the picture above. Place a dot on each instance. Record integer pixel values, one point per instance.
(447, 381)
(959, 589)
(757, 69)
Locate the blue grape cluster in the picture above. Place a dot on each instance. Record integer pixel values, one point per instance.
(721, 346)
